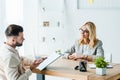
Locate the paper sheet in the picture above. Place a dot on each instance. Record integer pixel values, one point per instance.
(49, 60)
(92, 66)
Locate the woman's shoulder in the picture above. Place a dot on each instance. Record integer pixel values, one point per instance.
(99, 42)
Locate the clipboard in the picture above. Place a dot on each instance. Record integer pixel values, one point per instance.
(50, 59)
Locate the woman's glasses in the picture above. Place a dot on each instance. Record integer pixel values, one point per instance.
(84, 31)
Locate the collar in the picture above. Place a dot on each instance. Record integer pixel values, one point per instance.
(10, 48)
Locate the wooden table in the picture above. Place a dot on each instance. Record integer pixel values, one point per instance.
(65, 68)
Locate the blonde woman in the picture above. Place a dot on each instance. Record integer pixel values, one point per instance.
(88, 46)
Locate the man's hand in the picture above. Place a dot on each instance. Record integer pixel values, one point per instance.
(36, 63)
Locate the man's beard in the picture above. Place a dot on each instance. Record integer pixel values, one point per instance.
(18, 44)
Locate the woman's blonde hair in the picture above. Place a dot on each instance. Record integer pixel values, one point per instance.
(90, 26)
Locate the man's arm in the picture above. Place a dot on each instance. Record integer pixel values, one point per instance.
(14, 69)
(27, 61)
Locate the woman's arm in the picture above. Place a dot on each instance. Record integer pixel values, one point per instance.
(99, 51)
(69, 52)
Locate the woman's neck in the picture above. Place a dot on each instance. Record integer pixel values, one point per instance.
(86, 41)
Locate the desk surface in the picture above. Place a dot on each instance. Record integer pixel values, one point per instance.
(65, 68)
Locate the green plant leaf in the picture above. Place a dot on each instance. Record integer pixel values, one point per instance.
(100, 63)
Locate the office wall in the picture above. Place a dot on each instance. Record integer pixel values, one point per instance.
(107, 22)
(45, 39)
(14, 12)
(2, 19)
(30, 21)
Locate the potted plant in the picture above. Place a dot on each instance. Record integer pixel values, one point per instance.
(58, 51)
(101, 65)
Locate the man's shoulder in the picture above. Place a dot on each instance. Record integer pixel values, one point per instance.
(5, 52)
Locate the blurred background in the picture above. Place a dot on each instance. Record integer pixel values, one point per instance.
(50, 25)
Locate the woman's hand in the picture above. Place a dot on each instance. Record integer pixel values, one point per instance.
(76, 56)
(82, 56)
(73, 56)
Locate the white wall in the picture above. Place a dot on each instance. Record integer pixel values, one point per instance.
(30, 21)
(2, 19)
(14, 12)
(35, 32)
(107, 22)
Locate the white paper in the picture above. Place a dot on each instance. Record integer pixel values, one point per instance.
(92, 66)
(49, 60)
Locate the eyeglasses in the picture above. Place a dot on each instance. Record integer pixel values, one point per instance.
(84, 31)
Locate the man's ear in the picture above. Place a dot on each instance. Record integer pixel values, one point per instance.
(14, 39)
